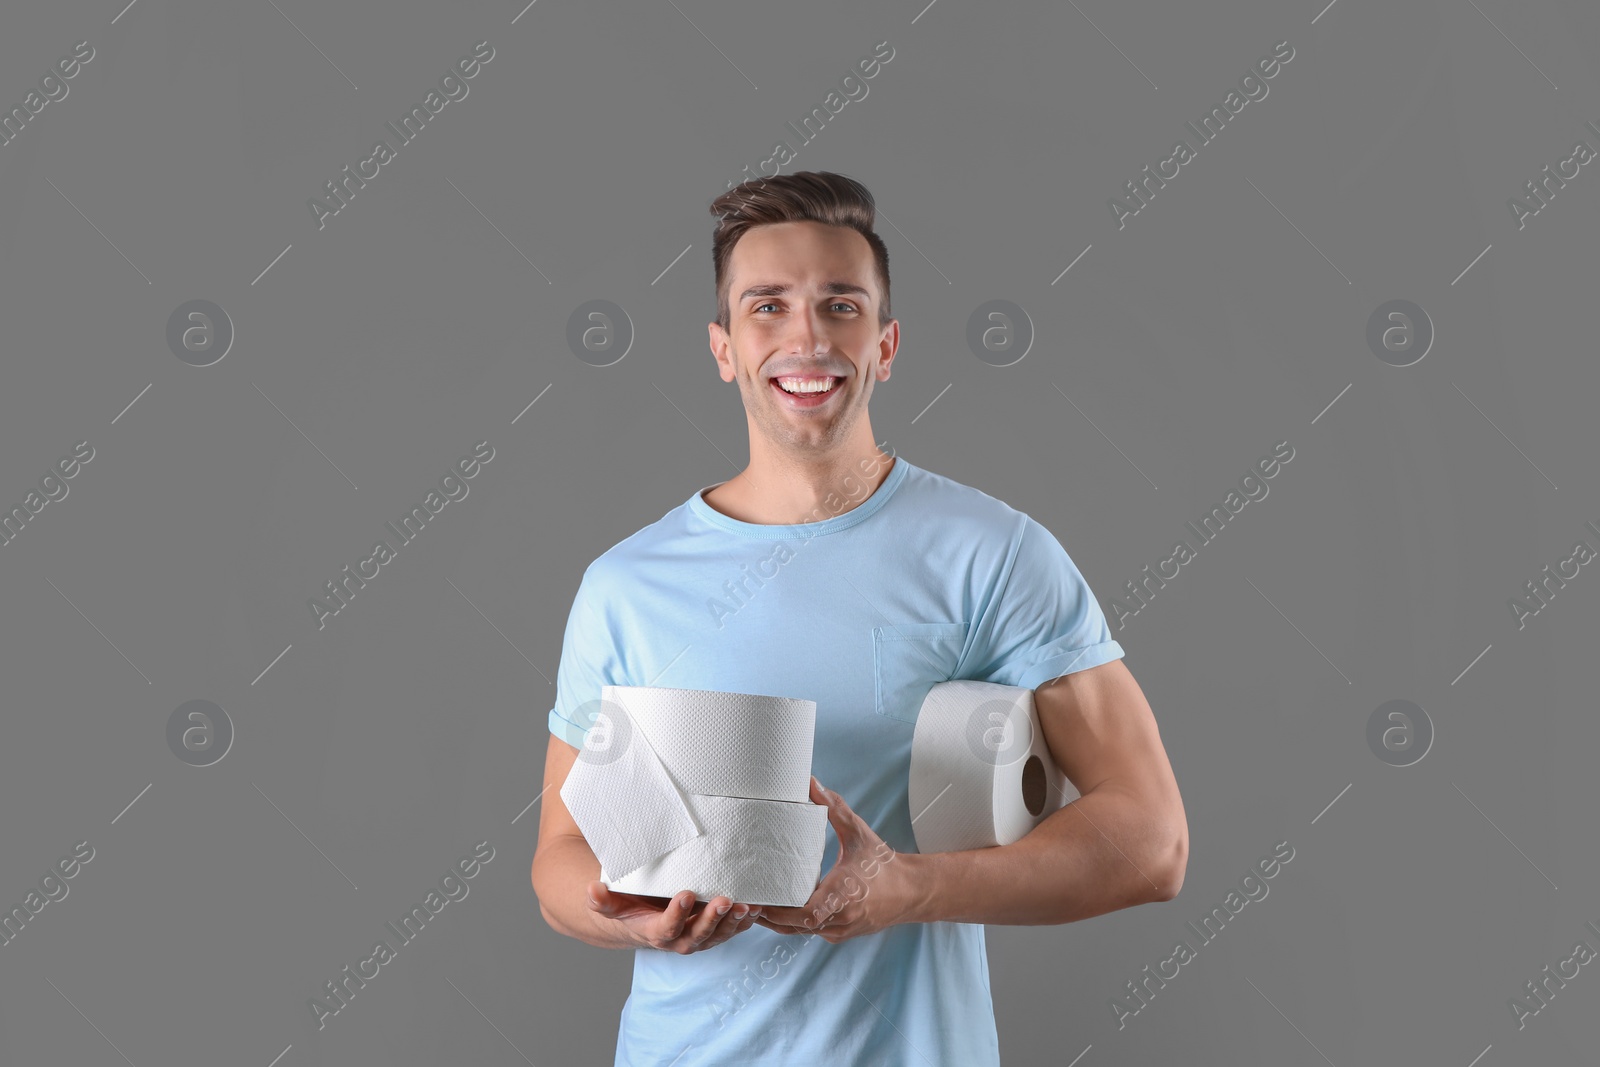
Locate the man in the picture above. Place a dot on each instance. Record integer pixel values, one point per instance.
(832, 571)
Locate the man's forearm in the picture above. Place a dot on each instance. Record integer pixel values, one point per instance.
(1102, 852)
(560, 880)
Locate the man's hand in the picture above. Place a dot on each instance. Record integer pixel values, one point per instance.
(869, 889)
(675, 924)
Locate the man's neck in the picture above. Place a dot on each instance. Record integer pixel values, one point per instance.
(781, 493)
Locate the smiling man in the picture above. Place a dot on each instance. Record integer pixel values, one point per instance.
(857, 580)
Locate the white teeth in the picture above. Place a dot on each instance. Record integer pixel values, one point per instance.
(801, 385)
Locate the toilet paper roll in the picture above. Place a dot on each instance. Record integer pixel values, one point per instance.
(752, 851)
(621, 796)
(655, 757)
(725, 744)
(981, 772)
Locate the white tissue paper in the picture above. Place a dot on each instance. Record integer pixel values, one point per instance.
(981, 772)
(726, 744)
(620, 795)
(702, 790)
(752, 852)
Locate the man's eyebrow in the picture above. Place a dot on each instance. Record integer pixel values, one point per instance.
(831, 288)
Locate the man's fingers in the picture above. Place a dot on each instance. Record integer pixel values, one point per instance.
(718, 911)
(676, 916)
(738, 919)
(788, 928)
(786, 916)
(839, 815)
(680, 925)
(702, 924)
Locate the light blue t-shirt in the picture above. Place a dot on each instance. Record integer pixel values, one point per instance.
(862, 611)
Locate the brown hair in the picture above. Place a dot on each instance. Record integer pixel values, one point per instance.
(807, 195)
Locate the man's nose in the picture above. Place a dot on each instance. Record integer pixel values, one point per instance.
(807, 335)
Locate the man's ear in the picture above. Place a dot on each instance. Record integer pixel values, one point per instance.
(887, 348)
(718, 338)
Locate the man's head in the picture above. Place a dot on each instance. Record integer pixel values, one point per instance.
(802, 290)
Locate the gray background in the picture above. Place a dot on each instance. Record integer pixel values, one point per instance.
(1226, 316)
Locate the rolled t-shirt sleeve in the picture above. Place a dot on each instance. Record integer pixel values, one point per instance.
(589, 660)
(1042, 621)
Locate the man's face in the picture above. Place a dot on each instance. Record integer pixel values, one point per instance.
(803, 303)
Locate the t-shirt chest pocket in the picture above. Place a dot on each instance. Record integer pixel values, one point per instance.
(908, 660)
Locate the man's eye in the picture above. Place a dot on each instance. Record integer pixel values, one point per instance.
(846, 305)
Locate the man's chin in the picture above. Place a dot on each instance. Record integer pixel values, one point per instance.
(812, 440)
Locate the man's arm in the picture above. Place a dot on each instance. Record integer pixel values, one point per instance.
(1125, 841)
(563, 862)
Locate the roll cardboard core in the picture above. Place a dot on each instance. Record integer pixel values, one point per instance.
(1033, 785)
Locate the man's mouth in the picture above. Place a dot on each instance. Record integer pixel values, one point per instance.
(807, 391)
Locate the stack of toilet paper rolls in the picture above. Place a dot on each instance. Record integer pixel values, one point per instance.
(700, 789)
(706, 790)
